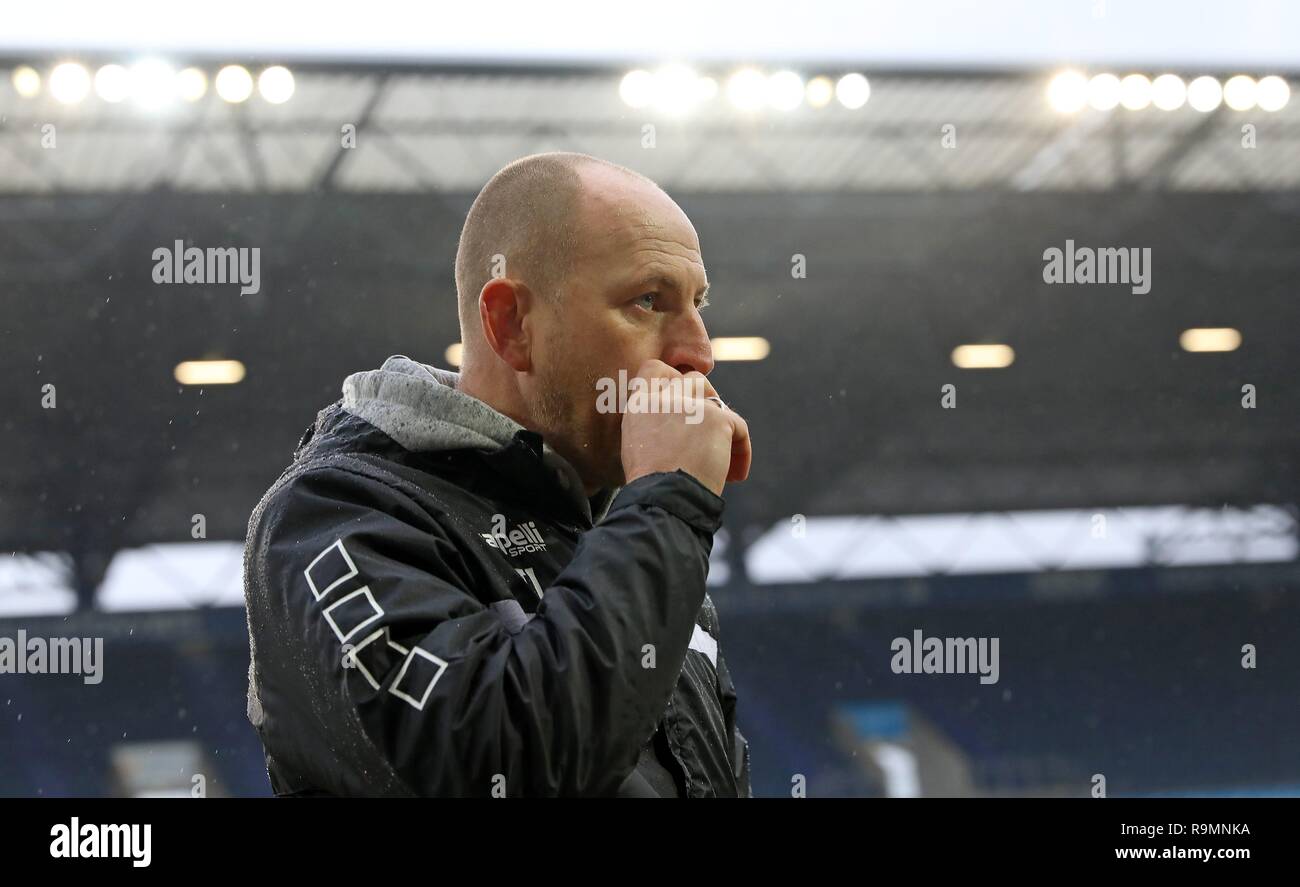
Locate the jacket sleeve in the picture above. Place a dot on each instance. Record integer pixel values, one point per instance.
(456, 698)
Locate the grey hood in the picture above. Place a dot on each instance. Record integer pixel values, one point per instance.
(421, 407)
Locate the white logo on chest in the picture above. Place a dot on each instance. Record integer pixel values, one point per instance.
(521, 539)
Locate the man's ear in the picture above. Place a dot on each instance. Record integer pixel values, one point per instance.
(503, 304)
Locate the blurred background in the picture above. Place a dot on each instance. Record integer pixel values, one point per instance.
(1109, 488)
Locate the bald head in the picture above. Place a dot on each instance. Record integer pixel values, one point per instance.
(525, 224)
(572, 270)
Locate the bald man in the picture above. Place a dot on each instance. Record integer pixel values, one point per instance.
(492, 583)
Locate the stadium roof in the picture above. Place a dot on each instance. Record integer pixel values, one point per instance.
(436, 130)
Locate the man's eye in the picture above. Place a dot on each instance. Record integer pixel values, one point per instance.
(647, 301)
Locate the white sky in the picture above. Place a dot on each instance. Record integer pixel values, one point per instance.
(1251, 35)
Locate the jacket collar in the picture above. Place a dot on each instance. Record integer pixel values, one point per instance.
(422, 408)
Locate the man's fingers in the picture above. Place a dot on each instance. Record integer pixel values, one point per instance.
(698, 385)
(741, 452)
(658, 444)
(656, 369)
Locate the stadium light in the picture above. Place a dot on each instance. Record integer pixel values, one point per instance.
(675, 89)
(276, 84)
(234, 84)
(191, 84)
(455, 351)
(637, 88)
(153, 83)
(672, 89)
(746, 89)
(1135, 92)
(1272, 93)
(983, 357)
(740, 348)
(1208, 339)
(1239, 93)
(785, 90)
(853, 91)
(209, 372)
(112, 83)
(820, 91)
(69, 83)
(1103, 91)
(27, 83)
(1068, 92)
(1204, 94)
(1168, 92)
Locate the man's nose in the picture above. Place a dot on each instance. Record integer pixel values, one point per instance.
(688, 348)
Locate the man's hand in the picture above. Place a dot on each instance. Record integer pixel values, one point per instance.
(713, 451)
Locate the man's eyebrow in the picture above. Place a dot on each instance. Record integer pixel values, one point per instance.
(662, 282)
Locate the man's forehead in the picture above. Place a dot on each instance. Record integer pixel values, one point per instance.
(642, 230)
(616, 203)
(648, 252)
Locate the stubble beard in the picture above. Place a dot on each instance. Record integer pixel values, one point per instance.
(565, 408)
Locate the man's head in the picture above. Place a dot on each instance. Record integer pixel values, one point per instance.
(570, 269)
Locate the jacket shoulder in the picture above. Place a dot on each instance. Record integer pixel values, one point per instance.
(368, 478)
(299, 510)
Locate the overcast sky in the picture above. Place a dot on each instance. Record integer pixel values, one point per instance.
(1250, 35)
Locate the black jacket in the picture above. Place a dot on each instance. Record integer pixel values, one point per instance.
(454, 621)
